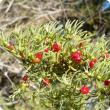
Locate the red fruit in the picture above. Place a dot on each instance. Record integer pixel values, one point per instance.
(57, 47)
(36, 60)
(46, 40)
(46, 82)
(25, 78)
(107, 55)
(21, 55)
(95, 60)
(54, 45)
(78, 52)
(84, 90)
(10, 47)
(106, 83)
(77, 60)
(46, 50)
(82, 43)
(39, 55)
(74, 55)
(91, 64)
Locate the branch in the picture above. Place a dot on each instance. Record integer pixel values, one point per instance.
(10, 103)
(11, 3)
(88, 8)
(12, 22)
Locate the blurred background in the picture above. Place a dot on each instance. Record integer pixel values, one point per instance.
(94, 13)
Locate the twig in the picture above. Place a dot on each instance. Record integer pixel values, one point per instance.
(53, 18)
(12, 22)
(88, 8)
(53, 12)
(99, 19)
(10, 103)
(9, 6)
(100, 29)
(6, 74)
(63, 10)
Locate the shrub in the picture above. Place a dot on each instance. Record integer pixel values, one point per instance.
(68, 70)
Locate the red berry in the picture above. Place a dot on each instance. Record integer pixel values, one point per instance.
(25, 78)
(11, 47)
(56, 47)
(36, 60)
(46, 82)
(107, 55)
(82, 43)
(77, 60)
(95, 60)
(78, 52)
(84, 90)
(91, 64)
(74, 55)
(21, 55)
(46, 40)
(106, 83)
(46, 50)
(39, 55)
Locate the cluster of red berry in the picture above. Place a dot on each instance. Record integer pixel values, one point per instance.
(75, 56)
(56, 47)
(37, 58)
(91, 64)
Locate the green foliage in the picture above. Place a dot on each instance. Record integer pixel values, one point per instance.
(65, 75)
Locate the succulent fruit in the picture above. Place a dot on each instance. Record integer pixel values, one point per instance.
(106, 83)
(36, 60)
(84, 90)
(74, 55)
(78, 52)
(21, 55)
(82, 43)
(91, 64)
(107, 55)
(95, 60)
(11, 47)
(46, 50)
(46, 82)
(47, 40)
(25, 78)
(102, 54)
(77, 60)
(38, 55)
